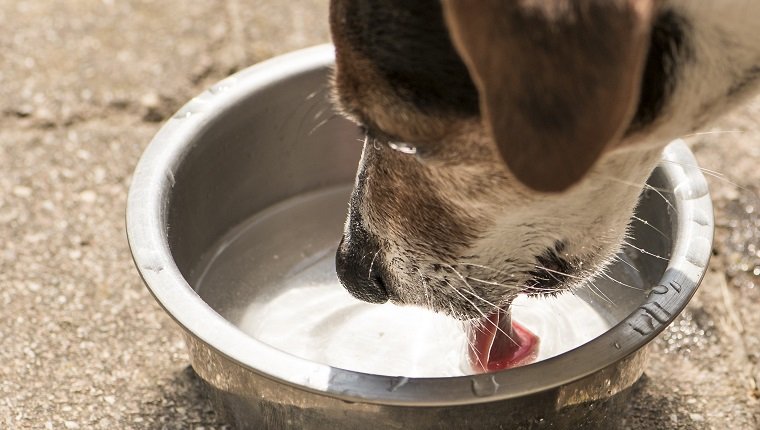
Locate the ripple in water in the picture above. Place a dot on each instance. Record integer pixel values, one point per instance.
(316, 319)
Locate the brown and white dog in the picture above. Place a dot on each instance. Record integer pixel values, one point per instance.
(508, 141)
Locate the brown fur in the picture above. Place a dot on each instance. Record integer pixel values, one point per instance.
(365, 95)
(565, 84)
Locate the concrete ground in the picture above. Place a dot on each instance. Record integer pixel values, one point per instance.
(84, 84)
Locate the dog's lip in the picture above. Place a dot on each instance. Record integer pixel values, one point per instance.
(403, 147)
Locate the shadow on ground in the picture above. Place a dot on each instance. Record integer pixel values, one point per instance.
(185, 404)
(651, 408)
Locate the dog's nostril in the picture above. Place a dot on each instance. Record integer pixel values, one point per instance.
(360, 272)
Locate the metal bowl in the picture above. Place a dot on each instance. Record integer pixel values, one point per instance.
(260, 137)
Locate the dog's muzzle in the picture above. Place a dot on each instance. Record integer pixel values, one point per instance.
(359, 266)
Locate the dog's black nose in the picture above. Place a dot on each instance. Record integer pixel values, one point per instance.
(359, 269)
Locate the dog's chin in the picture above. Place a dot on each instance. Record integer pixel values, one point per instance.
(470, 290)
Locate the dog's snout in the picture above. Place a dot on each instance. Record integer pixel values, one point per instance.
(359, 269)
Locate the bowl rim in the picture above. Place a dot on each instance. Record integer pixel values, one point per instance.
(147, 213)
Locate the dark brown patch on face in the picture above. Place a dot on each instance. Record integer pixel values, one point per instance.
(396, 69)
(669, 48)
(552, 269)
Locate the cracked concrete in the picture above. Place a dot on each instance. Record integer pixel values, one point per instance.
(84, 85)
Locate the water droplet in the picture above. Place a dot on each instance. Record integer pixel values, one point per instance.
(223, 86)
(403, 147)
(617, 345)
(195, 106)
(184, 114)
(485, 385)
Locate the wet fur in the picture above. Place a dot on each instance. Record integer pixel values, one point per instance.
(450, 227)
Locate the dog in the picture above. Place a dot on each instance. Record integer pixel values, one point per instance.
(507, 142)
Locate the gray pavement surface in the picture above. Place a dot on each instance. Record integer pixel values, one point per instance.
(84, 84)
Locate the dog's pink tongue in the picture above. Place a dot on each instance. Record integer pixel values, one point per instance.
(499, 343)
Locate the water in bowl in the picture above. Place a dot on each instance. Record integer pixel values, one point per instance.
(274, 278)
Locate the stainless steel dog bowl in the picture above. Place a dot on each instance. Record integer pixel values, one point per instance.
(260, 137)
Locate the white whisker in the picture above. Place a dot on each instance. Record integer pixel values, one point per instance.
(371, 264)
(644, 251)
(620, 259)
(717, 175)
(629, 183)
(645, 222)
(642, 186)
(524, 288)
(322, 123)
(558, 272)
(426, 290)
(472, 293)
(703, 133)
(599, 293)
(472, 290)
(606, 275)
(485, 318)
(483, 281)
(659, 192)
(489, 268)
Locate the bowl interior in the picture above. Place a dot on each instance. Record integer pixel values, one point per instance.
(283, 146)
